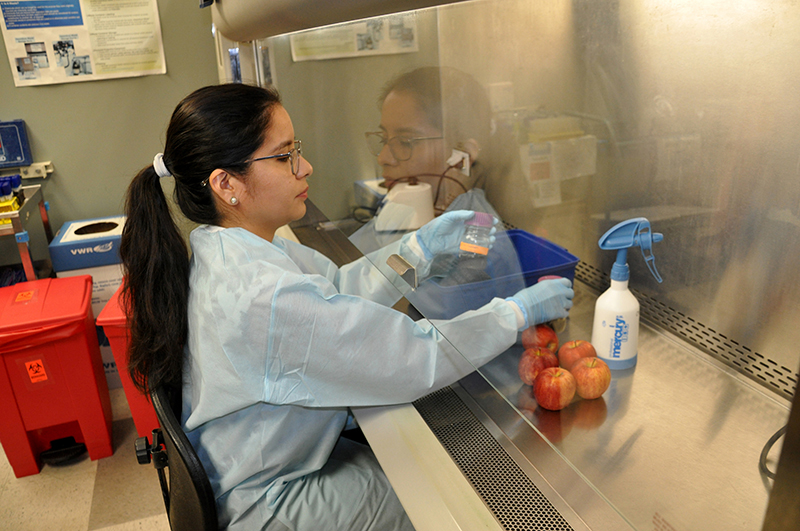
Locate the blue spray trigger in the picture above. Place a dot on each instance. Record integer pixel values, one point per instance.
(634, 232)
(646, 240)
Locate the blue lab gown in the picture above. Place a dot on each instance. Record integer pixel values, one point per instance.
(281, 342)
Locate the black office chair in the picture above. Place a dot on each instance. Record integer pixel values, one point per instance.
(187, 493)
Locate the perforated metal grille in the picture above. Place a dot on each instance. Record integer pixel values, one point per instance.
(756, 366)
(517, 504)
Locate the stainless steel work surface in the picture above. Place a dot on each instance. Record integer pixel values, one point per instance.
(673, 444)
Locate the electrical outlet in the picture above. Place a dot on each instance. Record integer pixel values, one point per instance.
(459, 159)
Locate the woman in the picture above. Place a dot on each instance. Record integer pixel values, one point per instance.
(270, 341)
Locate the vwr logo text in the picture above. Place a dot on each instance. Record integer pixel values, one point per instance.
(103, 248)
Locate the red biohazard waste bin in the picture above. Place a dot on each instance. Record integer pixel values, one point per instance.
(52, 382)
(115, 325)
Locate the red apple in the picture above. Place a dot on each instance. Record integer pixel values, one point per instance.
(592, 376)
(554, 388)
(572, 351)
(533, 361)
(540, 335)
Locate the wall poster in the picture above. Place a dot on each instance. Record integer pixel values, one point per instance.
(64, 41)
(375, 36)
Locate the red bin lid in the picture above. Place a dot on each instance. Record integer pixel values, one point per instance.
(112, 314)
(46, 302)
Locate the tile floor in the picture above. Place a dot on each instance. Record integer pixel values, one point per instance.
(113, 494)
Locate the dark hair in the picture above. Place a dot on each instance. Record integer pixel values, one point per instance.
(215, 127)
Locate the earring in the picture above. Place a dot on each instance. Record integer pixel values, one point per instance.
(234, 200)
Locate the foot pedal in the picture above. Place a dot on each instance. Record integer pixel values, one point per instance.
(62, 451)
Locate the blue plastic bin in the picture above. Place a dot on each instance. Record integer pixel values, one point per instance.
(537, 258)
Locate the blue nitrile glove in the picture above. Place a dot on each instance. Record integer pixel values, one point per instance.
(443, 234)
(545, 301)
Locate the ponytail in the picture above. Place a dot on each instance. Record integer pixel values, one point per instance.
(156, 290)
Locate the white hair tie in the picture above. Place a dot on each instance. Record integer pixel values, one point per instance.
(159, 166)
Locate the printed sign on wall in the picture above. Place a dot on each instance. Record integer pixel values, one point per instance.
(64, 41)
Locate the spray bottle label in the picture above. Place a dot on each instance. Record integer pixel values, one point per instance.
(616, 338)
(620, 337)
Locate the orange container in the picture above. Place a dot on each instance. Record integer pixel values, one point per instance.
(115, 325)
(52, 382)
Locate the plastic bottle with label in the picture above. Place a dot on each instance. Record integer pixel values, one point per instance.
(470, 265)
(615, 333)
(477, 236)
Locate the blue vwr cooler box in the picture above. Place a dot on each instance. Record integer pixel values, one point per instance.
(87, 243)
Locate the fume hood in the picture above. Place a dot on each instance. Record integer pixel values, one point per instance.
(660, 123)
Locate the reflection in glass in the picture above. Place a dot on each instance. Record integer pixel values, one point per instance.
(435, 134)
(576, 115)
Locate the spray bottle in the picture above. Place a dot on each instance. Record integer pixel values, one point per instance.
(615, 334)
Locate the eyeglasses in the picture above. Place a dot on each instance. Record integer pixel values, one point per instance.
(293, 155)
(399, 146)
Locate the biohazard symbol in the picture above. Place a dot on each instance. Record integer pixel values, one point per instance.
(36, 371)
(24, 296)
